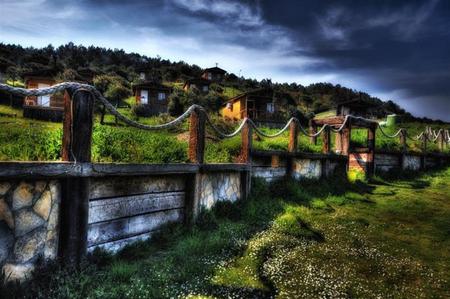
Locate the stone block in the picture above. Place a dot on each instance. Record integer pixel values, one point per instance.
(26, 221)
(4, 188)
(39, 186)
(51, 245)
(19, 272)
(30, 245)
(6, 242)
(6, 214)
(22, 196)
(55, 190)
(43, 205)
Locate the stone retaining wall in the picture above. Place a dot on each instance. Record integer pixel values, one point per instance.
(29, 219)
(219, 186)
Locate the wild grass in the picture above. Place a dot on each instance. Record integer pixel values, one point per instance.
(379, 239)
(31, 140)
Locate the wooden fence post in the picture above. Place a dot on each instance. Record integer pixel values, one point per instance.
(346, 135)
(326, 147)
(293, 137)
(77, 140)
(370, 166)
(312, 131)
(246, 147)
(197, 135)
(441, 139)
(424, 151)
(403, 148)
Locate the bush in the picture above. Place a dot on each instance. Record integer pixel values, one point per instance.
(143, 110)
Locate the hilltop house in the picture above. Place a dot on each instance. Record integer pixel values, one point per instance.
(198, 83)
(153, 94)
(214, 74)
(357, 107)
(260, 105)
(46, 107)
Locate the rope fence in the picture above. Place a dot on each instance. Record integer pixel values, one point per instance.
(427, 135)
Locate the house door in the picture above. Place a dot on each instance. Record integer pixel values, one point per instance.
(251, 109)
(43, 100)
(144, 97)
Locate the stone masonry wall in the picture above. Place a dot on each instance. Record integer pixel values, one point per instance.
(216, 187)
(29, 218)
(307, 168)
(411, 162)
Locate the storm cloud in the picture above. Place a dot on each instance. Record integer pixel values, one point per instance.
(396, 50)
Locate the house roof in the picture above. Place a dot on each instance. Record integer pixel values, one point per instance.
(151, 85)
(358, 103)
(215, 69)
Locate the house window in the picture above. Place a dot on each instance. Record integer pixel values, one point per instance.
(230, 106)
(209, 75)
(270, 107)
(205, 88)
(142, 76)
(161, 96)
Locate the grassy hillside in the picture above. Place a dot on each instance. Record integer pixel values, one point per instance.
(29, 140)
(330, 239)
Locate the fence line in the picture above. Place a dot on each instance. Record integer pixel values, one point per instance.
(427, 135)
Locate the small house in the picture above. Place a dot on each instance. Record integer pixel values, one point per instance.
(260, 105)
(214, 74)
(153, 94)
(357, 107)
(199, 84)
(45, 107)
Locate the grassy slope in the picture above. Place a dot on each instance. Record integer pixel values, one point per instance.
(24, 139)
(383, 239)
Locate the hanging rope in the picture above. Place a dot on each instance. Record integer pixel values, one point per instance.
(428, 134)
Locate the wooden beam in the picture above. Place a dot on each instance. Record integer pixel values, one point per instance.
(312, 131)
(197, 137)
(326, 146)
(293, 137)
(77, 140)
(246, 147)
(370, 166)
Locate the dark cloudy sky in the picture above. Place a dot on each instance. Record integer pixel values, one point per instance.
(397, 50)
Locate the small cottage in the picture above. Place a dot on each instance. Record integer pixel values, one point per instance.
(357, 107)
(153, 94)
(199, 84)
(214, 74)
(260, 105)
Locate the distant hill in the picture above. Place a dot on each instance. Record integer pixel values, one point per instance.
(72, 61)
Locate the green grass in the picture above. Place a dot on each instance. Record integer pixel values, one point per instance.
(377, 239)
(31, 140)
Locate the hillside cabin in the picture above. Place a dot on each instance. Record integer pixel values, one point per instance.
(260, 105)
(357, 107)
(153, 94)
(199, 84)
(46, 107)
(214, 74)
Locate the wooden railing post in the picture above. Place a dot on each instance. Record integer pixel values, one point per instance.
(326, 146)
(424, 151)
(346, 135)
(370, 166)
(197, 135)
(441, 140)
(77, 140)
(312, 131)
(403, 148)
(293, 137)
(246, 147)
